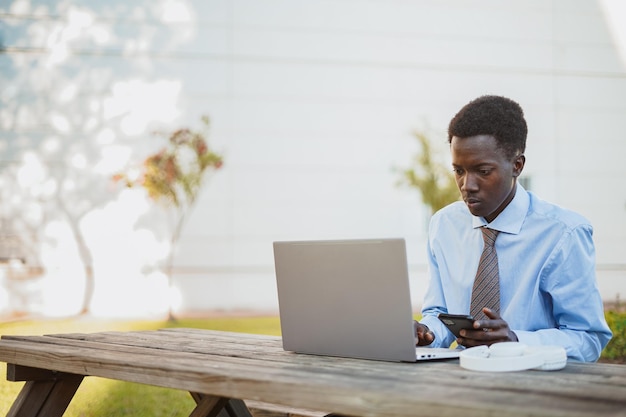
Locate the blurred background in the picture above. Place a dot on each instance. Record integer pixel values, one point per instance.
(313, 106)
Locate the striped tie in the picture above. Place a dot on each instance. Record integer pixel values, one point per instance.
(486, 290)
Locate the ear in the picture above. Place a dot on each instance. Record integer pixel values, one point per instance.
(518, 165)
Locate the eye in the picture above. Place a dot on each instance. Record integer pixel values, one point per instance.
(457, 171)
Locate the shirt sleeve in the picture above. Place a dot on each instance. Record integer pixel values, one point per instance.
(568, 280)
(434, 303)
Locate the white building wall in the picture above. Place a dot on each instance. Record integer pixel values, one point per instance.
(313, 104)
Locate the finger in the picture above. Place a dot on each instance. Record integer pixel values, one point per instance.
(426, 337)
(429, 336)
(479, 338)
(468, 343)
(494, 320)
(423, 335)
(486, 335)
(491, 314)
(478, 335)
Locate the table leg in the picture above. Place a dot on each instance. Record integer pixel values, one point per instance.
(46, 393)
(212, 406)
(237, 408)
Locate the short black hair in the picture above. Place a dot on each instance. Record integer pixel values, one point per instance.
(496, 116)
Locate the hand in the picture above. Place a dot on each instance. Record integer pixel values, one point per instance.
(488, 331)
(423, 335)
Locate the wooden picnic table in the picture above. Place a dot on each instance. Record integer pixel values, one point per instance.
(224, 372)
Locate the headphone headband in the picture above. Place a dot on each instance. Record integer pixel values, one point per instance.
(513, 356)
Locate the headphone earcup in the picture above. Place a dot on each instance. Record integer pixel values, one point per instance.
(554, 357)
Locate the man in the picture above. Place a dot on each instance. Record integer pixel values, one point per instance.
(544, 254)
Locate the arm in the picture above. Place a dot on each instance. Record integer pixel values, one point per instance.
(568, 286)
(435, 303)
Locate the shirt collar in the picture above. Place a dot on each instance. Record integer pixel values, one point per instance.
(512, 217)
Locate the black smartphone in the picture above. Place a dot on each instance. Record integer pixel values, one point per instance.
(456, 322)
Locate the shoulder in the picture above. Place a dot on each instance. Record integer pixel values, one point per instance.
(555, 215)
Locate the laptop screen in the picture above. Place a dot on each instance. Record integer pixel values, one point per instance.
(345, 298)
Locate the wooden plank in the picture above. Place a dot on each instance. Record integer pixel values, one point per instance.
(45, 398)
(183, 339)
(48, 348)
(233, 336)
(21, 373)
(345, 386)
(157, 341)
(62, 393)
(322, 365)
(30, 399)
(209, 406)
(237, 408)
(128, 344)
(261, 409)
(319, 364)
(212, 348)
(327, 362)
(286, 359)
(123, 343)
(27, 373)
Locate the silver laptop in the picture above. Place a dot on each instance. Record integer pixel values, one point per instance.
(348, 298)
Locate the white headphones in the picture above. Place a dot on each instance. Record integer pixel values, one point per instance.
(513, 356)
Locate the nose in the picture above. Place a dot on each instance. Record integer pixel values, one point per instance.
(468, 183)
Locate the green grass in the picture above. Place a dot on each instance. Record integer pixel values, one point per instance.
(615, 351)
(102, 397)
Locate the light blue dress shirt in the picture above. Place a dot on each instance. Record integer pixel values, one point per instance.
(546, 258)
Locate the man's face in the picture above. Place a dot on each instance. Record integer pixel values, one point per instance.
(484, 175)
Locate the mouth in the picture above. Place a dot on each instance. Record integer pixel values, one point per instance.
(472, 202)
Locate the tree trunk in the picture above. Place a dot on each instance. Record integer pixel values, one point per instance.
(170, 262)
(85, 256)
(87, 259)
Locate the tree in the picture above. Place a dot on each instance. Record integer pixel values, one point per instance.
(174, 177)
(37, 191)
(73, 97)
(430, 176)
